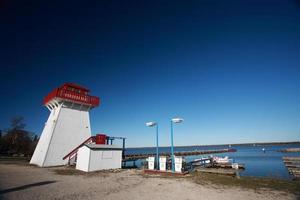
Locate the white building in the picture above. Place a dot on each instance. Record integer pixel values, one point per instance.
(93, 157)
(68, 124)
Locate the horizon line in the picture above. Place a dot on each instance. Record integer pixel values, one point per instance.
(248, 143)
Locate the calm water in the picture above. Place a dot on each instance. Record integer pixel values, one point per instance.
(257, 163)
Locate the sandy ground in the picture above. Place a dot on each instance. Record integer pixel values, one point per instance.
(28, 182)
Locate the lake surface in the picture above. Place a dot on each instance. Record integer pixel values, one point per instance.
(257, 163)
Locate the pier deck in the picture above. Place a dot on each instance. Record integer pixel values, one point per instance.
(290, 150)
(231, 172)
(293, 165)
(133, 157)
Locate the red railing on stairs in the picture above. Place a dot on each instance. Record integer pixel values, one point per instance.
(74, 151)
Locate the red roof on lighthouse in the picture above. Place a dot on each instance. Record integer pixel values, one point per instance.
(73, 93)
(73, 85)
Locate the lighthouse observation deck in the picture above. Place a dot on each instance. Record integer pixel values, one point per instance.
(74, 93)
(67, 126)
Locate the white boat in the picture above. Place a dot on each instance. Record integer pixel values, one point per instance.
(203, 160)
(221, 160)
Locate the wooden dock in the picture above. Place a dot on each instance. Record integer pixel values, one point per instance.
(228, 165)
(289, 150)
(230, 172)
(293, 165)
(133, 157)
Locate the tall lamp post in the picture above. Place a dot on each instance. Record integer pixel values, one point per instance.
(151, 124)
(174, 120)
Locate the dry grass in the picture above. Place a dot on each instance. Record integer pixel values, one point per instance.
(162, 175)
(222, 181)
(207, 179)
(254, 183)
(69, 171)
(14, 160)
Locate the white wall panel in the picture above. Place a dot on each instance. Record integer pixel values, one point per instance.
(65, 129)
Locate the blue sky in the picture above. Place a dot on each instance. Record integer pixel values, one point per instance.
(231, 70)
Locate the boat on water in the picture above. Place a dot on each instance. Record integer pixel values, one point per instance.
(222, 160)
(218, 165)
(203, 160)
(211, 160)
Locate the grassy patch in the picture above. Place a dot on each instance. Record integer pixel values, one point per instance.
(247, 182)
(72, 171)
(145, 175)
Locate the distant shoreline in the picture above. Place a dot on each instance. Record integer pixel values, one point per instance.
(232, 145)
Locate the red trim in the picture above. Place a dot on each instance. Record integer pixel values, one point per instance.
(74, 85)
(74, 93)
(76, 149)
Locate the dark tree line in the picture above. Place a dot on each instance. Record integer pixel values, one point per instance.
(16, 140)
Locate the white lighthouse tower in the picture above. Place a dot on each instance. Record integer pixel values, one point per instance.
(67, 126)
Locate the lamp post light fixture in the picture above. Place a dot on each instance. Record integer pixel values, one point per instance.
(174, 120)
(152, 124)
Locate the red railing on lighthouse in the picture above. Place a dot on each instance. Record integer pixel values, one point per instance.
(74, 93)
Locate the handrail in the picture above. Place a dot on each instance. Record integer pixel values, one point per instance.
(75, 150)
(73, 96)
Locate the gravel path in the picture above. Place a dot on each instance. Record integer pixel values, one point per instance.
(28, 182)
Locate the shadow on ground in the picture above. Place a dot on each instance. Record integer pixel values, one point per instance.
(23, 187)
